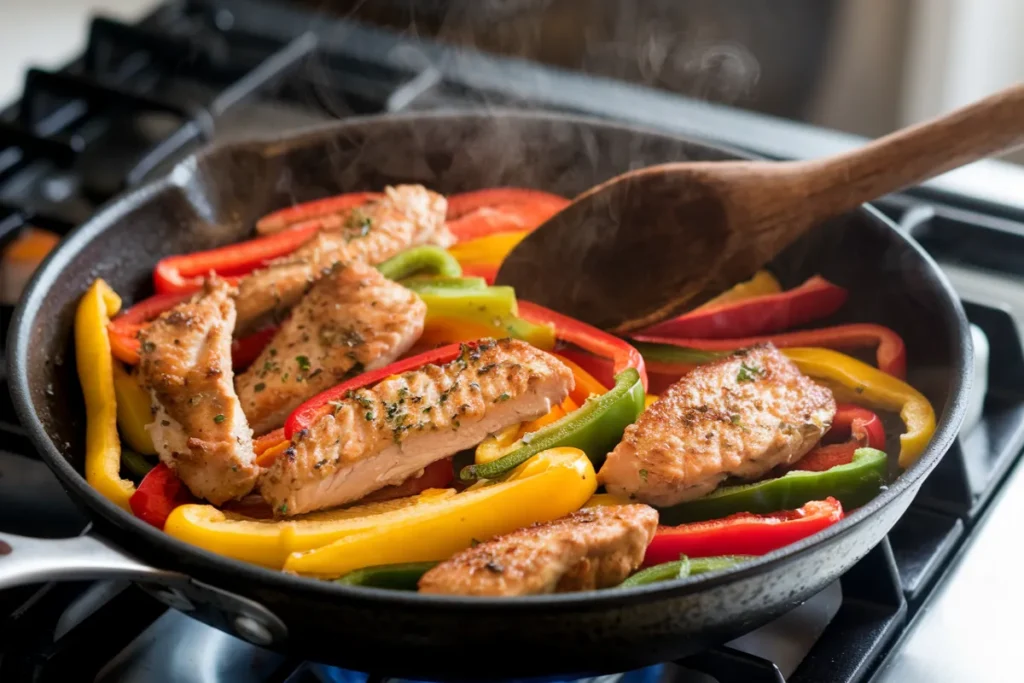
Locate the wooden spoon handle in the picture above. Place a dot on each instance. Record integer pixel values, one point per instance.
(913, 155)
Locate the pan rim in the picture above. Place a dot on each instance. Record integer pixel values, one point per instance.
(214, 565)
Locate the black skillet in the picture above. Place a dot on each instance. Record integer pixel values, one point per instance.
(214, 197)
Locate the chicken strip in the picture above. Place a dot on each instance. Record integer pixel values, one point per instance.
(382, 436)
(739, 416)
(406, 216)
(592, 548)
(353, 319)
(198, 425)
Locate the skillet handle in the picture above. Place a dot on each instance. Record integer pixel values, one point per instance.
(25, 560)
(39, 560)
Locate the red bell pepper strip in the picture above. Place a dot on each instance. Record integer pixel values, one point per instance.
(743, 533)
(598, 342)
(307, 211)
(123, 331)
(247, 349)
(812, 300)
(308, 413)
(861, 427)
(185, 272)
(890, 351)
(498, 219)
(158, 494)
(488, 271)
(466, 202)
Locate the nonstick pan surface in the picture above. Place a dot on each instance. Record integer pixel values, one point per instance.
(214, 197)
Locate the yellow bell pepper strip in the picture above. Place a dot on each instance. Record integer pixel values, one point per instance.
(488, 250)
(857, 382)
(269, 542)
(595, 429)
(417, 260)
(510, 438)
(96, 375)
(547, 486)
(133, 411)
(762, 283)
(649, 400)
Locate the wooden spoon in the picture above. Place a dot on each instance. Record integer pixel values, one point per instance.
(653, 242)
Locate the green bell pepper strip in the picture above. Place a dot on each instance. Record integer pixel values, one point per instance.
(683, 567)
(484, 305)
(137, 464)
(403, 576)
(419, 282)
(853, 484)
(433, 260)
(594, 428)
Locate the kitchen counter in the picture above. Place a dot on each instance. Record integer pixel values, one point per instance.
(48, 33)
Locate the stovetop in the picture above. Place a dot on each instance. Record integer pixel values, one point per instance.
(942, 585)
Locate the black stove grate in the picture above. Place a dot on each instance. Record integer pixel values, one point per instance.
(144, 94)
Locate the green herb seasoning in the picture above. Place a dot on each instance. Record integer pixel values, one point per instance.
(219, 418)
(748, 373)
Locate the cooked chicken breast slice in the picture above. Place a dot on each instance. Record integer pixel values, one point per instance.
(198, 427)
(384, 435)
(592, 548)
(739, 416)
(406, 216)
(353, 319)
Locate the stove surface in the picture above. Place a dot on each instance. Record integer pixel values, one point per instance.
(929, 603)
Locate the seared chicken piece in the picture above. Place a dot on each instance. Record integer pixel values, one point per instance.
(739, 416)
(592, 548)
(353, 319)
(406, 216)
(198, 425)
(387, 434)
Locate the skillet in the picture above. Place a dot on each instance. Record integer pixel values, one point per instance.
(213, 198)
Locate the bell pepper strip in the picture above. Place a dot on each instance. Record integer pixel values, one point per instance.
(490, 250)
(586, 385)
(467, 202)
(682, 568)
(548, 486)
(159, 493)
(268, 542)
(138, 465)
(600, 343)
(308, 413)
(468, 304)
(861, 427)
(761, 284)
(814, 299)
(855, 382)
(853, 484)
(743, 533)
(403, 577)
(124, 329)
(133, 411)
(488, 272)
(246, 350)
(595, 429)
(649, 401)
(890, 352)
(185, 272)
(510, 438)
(309, 211)
(418, 260)
(267, 456)
(96, 375)
(417, 282)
